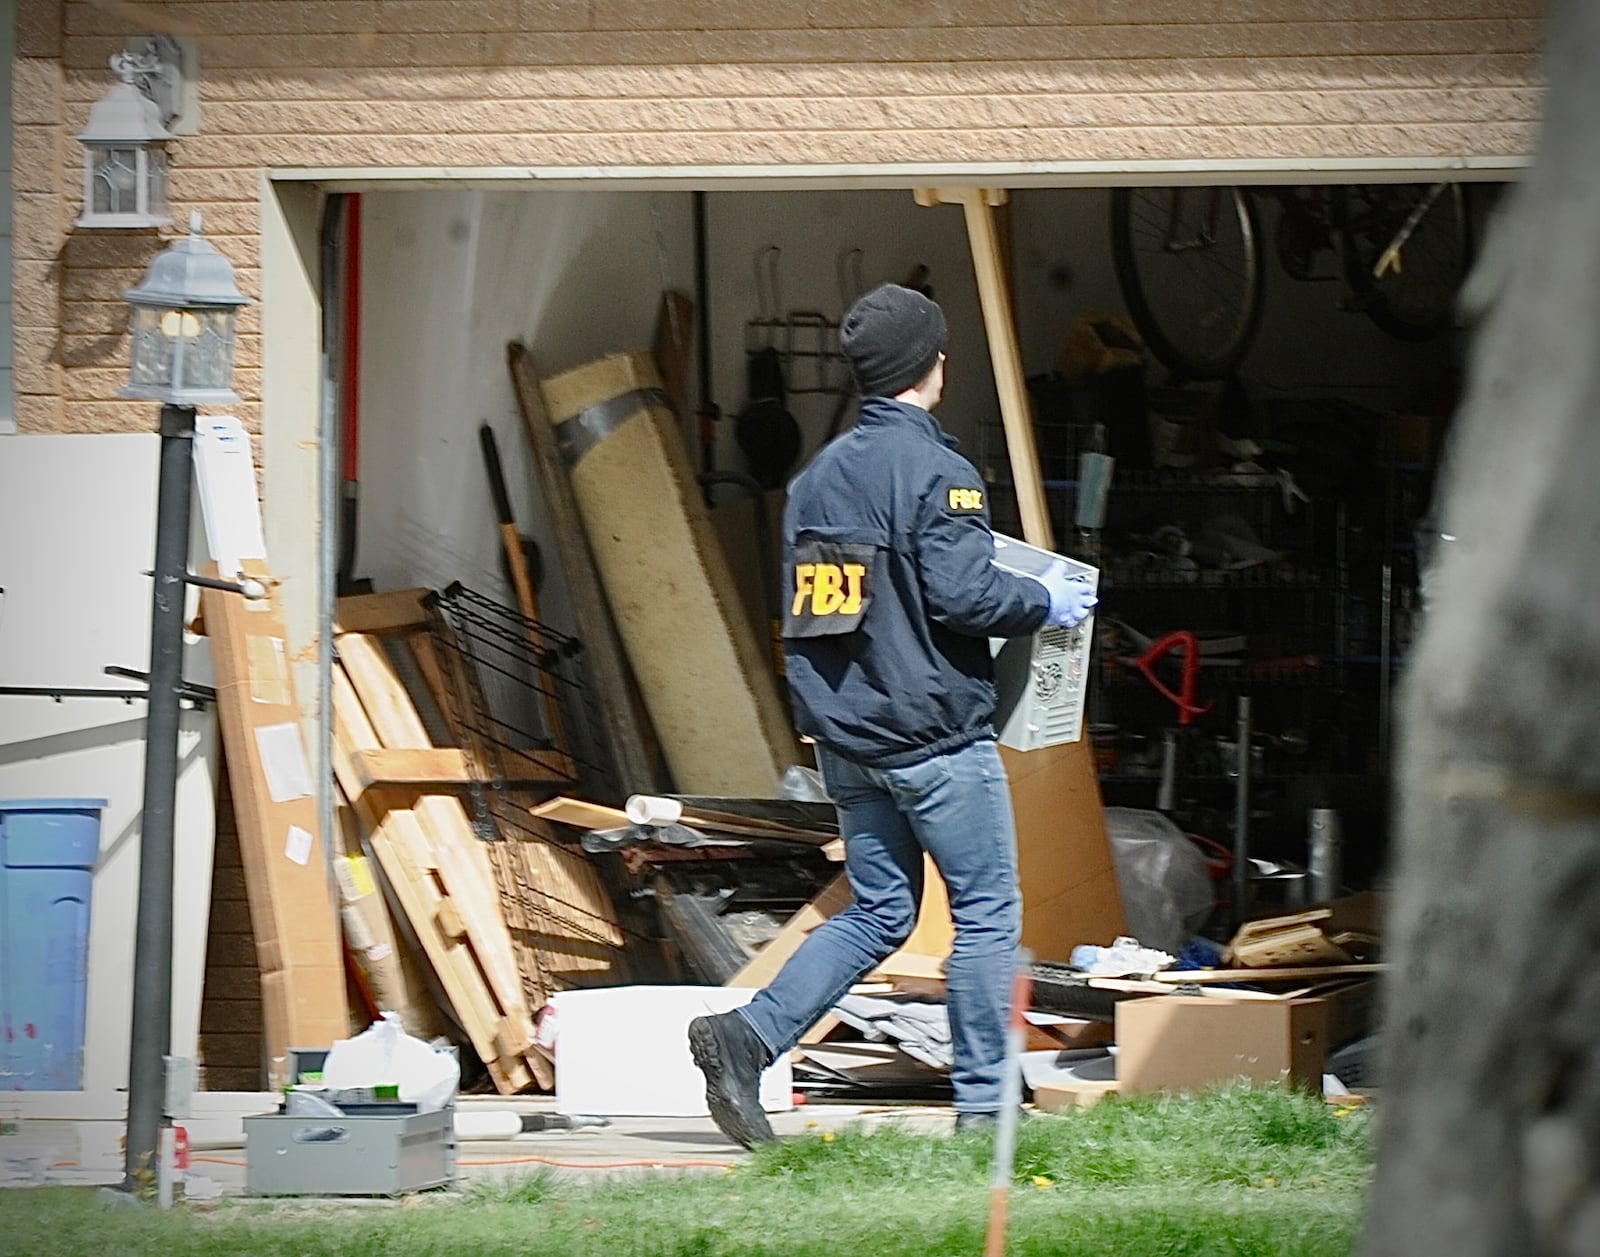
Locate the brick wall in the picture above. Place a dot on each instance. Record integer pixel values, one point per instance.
(320, 83)
(231, 1022)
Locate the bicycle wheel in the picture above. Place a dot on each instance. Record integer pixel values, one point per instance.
(1415, 297)
(1188, 263)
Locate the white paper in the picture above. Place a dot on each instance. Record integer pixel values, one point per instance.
(225, 476)
(298, 847)
(283, 761)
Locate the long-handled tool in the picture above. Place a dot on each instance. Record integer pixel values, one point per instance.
(517, 549)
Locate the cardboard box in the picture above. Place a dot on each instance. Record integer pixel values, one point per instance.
(1189, 1042)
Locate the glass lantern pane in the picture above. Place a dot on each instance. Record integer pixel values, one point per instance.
(157, 158)
(208, 349)
(150, 356)
(116, 180)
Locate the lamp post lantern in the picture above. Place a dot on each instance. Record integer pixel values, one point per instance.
(184, 314)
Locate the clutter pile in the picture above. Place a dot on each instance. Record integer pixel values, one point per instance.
(540, 833)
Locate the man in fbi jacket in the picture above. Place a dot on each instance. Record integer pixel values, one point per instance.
(892, 599)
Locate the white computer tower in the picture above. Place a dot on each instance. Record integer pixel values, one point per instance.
(1042, 679)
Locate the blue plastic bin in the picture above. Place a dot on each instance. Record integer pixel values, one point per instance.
(48, 851)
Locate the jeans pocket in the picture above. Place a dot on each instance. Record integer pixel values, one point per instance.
(915, 782)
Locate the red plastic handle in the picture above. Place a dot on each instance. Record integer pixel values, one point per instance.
(1184, 699)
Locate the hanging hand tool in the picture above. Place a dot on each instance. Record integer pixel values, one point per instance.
(767, 433)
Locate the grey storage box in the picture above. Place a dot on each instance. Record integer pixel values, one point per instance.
(384, 1148)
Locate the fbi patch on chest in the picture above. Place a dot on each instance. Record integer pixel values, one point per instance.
(966, 501)
(830, 587)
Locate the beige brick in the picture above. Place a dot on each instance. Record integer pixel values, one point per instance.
(110, 350)
(40, 347)
(35, 292)
(36, 413)
(709, 15)
(36, 158)
(219, 19)
(35, 91)
(94, 318)
(447, 16)
(107, 416)
(34, 369)
(80, 283)
(91, 54)
(39, 225)
(620, 82)
(38, 28)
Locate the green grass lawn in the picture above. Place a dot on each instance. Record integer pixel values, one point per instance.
(1235, 1172)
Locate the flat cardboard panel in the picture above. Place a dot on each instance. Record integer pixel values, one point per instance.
(292, 911)
(1189, 1042)
(1069, 884)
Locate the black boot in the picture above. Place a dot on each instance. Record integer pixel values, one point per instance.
(731, 1055)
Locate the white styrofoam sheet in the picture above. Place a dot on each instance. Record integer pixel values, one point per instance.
(624, 1052)
(77, 534)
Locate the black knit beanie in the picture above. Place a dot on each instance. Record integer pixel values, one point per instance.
(892, 337)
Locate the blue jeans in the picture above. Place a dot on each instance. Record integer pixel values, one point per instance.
(957, 808)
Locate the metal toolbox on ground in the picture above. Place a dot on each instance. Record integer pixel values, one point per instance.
(372, 1148)
(1041, 680)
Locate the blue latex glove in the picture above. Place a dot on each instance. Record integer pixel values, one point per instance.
(1071, 600)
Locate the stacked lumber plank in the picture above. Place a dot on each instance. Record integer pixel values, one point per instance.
(484, 914)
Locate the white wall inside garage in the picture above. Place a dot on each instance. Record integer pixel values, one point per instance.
(450, 275)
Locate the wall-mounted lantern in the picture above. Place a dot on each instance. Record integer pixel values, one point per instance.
(125, 149)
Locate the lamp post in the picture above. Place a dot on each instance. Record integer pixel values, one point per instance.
(184, 316)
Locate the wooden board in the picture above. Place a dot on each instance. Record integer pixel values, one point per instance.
(293, 912)
(381, 613)
(389, 708)
(1288, 974)
(435, 766)
(581, 814)
(429, 860)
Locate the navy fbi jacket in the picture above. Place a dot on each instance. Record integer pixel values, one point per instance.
(891, 592)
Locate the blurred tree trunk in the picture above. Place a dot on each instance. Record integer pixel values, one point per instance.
(1489, 1120)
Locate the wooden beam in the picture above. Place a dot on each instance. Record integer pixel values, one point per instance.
(389, 766)
(389, 708)
(1286, 973)
(381, 613)
(1005, 355)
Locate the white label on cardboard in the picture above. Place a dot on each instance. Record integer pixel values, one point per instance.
(298, 848)
(283, 761)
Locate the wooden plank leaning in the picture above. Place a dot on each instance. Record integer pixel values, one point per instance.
(404, 854)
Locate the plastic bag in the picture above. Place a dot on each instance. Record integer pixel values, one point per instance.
(384, 1054)
(1166, 890)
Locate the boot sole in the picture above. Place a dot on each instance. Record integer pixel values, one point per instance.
(731, 1117)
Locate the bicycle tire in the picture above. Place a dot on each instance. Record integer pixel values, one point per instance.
(1401, 304)
(1202, 325)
